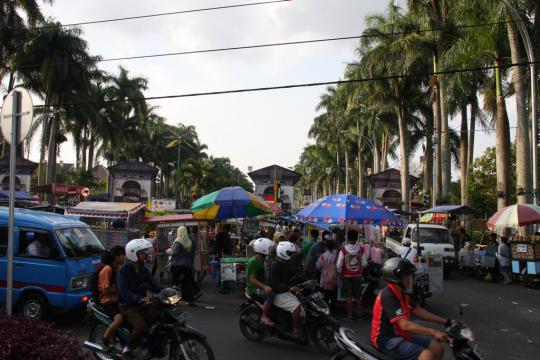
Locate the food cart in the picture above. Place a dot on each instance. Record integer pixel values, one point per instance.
(166, 227)
(114, 223)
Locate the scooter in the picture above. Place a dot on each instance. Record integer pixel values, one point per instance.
(318, 326)
(461, 342)
(169, 336)
(372, 275)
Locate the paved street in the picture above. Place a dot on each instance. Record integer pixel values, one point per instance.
(505, 320)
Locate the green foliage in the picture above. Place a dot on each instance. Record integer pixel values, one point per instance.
(483, 182)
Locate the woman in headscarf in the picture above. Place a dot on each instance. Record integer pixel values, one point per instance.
(182, 254)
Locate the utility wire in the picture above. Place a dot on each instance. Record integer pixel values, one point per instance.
(293, 86)
(275, 44)
(161, 14)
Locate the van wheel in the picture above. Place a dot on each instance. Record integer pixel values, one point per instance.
(33, 306)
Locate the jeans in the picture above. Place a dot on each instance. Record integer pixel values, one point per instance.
(400, 349)
(140, 317)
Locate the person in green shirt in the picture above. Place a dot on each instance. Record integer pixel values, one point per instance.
(256, 278)
(314, 236)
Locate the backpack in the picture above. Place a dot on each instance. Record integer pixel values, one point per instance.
(352, 262)
(329, 274)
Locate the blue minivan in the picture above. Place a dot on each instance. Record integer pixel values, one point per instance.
(54, 259)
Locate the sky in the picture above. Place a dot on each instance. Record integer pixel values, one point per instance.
(252, 129)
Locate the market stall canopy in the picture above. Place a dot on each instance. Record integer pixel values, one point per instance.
(168, 218)
(347, 209)
(434, 217)
(515, 216)
(19, 196)
(228, 203)
(451, 209)
(105, 209)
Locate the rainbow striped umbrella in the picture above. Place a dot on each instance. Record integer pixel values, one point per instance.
(515, 216)
(229, 203)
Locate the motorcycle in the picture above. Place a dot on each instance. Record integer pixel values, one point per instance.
(372, 275)
(170, 335)
(461, 340)
(318, 327)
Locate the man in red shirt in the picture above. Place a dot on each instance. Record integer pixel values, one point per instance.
(392, 331)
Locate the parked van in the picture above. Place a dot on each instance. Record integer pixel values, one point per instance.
(54, 259)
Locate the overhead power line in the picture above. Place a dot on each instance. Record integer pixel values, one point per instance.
(299, 85)
(274, 44)
(224, 7)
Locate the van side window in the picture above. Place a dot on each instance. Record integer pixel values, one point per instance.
(3, 240)
(408, 234)
(37, 244)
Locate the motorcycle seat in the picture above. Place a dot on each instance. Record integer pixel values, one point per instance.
(366, 346)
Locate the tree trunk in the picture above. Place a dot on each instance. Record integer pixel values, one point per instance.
(384, 155)
(360, 132)
(91, 150)
(502, 144)
(428, 158)
(463, 143)
(84, 149)
(347, 172)
(523, 149)
(376, 156)
(446, 164)
(472, 130)
(42, 150)
(338, 170)
(437, 185)
(51, 162)
(404, 158)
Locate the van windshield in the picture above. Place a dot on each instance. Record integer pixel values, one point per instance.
(432, 236)
(79, 242)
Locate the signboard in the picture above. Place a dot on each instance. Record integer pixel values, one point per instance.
(250, 228)
(25, 114)
(521, 248)
(307, 192)
(162, 204)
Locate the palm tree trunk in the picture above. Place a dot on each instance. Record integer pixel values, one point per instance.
(347, 172)
(376, 155)
(523, 150)
(84, 148)
(384, 155)
(428, 157)
(404, 160)
(463, 142)
(359, 157)
(437, 186)
(502, 144)
(472, 130)
(91, 150)
(43, 147)
(338, 165)
(446, 169)
(51, 162)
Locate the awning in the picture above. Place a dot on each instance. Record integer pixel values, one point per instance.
(451, 209)
(19, 195)
(169, 218)
(105, 209)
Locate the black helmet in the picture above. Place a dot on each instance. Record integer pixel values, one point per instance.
(396, 268)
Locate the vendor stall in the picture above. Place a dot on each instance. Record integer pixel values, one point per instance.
(166, 227)
(113, 223)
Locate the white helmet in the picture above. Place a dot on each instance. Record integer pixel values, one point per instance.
(285, 249)
(136, 245)
(406, 241)
(262, 246)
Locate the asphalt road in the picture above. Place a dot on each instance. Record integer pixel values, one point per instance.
(505, 320)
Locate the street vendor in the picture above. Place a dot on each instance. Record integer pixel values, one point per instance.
(224, 244)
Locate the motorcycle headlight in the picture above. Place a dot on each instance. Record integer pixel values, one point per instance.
(172, 300)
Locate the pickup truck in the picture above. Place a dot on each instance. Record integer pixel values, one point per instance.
(434, 239)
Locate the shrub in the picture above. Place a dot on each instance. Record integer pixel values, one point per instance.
(22, 339)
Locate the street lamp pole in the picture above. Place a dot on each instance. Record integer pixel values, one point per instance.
(532, 66)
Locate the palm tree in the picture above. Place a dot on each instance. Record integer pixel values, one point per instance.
(56, 65)
(382, 55)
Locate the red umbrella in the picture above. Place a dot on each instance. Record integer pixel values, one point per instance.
(515, 216)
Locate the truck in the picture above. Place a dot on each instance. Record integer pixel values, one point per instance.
(434, 239)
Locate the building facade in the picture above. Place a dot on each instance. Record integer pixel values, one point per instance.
(131, 181)
(387, 188)
(264, 180)
(23, 175)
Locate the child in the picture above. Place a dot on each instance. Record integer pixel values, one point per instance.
(108, 298)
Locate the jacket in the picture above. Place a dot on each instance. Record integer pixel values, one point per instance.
(182, 257)
(132, 282)
(348, 266)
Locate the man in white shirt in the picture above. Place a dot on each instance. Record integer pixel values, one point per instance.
(39, 247)
(407, 251)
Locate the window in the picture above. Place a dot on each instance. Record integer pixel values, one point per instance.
(37, 244)
(432, 236)
(3, 240)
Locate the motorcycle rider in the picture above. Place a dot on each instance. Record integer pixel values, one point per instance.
(133, 281)
(281, 275)
(392, 331)
(256, 283)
